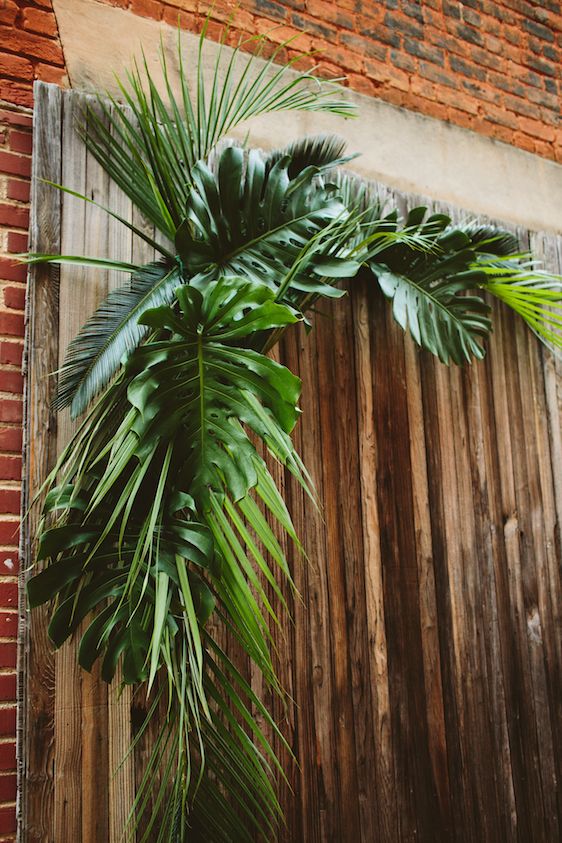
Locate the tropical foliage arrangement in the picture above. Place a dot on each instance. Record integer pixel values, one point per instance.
(161, 510)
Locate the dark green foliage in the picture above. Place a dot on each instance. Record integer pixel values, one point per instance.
(161, 512)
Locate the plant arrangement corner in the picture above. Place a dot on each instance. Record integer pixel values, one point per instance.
(161, 512)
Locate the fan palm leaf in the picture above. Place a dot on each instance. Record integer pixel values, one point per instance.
(150, 148)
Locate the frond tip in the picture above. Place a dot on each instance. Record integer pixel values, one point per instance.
(532, 293)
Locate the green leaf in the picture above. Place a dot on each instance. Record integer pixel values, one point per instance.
(150, 154)
(53, 579)
(439, 318)
(199, 387)
(260, 224)
(97, 352)
(135, 653)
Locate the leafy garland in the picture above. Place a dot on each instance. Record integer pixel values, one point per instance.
(159, 511)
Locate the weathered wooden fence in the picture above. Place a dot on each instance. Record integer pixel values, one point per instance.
(426, 655)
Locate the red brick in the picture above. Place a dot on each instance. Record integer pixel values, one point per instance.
(8, 626)
(13, 270)
(11, 353)
(10, 440)
(7, 686)
(11, 324)
(457, 99)
(17, 243)
(19, 190)
(361, 84)
(10, 411)
(14, 297)
(9, 535)
(7, 721)
(16, 67)
(48, 73)
(387, 74)
(11, 381)
(16, 118)
(536, 128)
(146, 8)
(8, 788)
(8, 12)
(173, 15)
(14, 216)
(10, 500)
(8, 815)
(29, 44)
(347, 59)
(10, 467)
(21, 141)
(8, 658)
(43, 22)
(17, 93)
(15, 165)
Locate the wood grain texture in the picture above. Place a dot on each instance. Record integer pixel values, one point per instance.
(425, 657)
(36, 679)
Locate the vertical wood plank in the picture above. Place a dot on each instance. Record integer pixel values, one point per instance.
(425, 658)
(381, 747)
(313, 655)
(333, 405)
(68, 689)
(36, 748)
(95, 734)
(121, 771)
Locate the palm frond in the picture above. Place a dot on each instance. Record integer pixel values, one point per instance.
(95, 354)
(489, 239)
(33, 258)
(320, 151)
(150, 148)
(154, 527)
(534, 294)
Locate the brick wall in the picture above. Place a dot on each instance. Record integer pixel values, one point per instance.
(489, 65)
(29, 49)
(493, 66)
(15, 162)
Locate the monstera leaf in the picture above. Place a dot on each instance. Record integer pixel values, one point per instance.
(253, 221)
(203, 387)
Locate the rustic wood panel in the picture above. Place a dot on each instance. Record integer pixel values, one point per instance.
(425, 659)
(36, 659)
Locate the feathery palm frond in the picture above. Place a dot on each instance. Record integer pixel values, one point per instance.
(534, 294)
(489, 239)
(311, 151)
(95, 354)
(150, 148)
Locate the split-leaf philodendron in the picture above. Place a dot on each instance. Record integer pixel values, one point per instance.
(160, 509)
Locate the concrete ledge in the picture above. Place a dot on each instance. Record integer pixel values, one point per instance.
(399, 148)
